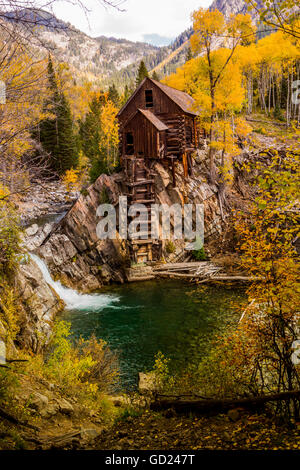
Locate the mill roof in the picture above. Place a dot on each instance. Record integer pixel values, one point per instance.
(182, 99)
(160, 126)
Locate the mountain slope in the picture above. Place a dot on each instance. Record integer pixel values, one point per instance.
(105, 60)
(98, 59)
(102, 59)
(229, 7)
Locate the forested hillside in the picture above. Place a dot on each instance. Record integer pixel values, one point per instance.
(102, 59)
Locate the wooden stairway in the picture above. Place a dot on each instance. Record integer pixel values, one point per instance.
(140, 190)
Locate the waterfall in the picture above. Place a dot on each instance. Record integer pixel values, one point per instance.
(73, 299)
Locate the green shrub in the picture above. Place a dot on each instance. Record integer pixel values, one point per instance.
(170, 247)
(10, 240)
(9, 308)
(277, 114)
(85, 368)
(84, 192)
(8, 385)
(260, 130)
(200, 255)
(163, 379)
(104, 198)
(128, 412)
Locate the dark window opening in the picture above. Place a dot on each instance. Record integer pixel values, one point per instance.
(189, 135)
(129, 143)
(149, 98)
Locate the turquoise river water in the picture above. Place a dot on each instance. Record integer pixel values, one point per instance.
(138, 320)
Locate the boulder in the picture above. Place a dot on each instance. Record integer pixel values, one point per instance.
(32, 230)
(119, 401)
(51, 410)
(38, 402)
(147, 383)
(65, 407)
(34, 236)
(162, 178)
(89, 434)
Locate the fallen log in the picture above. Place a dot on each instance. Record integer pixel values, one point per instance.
(233, 278)
(141, 278)
(187, 265)
(220, 405)
(175, 275)
(12, 419)
(208, 279)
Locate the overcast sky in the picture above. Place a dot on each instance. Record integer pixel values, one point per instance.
(166, 18)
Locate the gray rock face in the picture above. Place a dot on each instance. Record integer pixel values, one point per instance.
(76, 256)
(73, 252)
(39, 306)
(232, 7)
(194, 190)
(35, 235)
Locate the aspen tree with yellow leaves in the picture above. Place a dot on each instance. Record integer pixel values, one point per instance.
(25, 85)
(271, 67)
(278, 15)
(210, 27)
(257, 358)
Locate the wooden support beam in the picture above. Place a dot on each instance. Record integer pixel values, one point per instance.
(185, 165)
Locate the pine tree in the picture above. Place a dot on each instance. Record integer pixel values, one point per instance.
(189, 55)
(91, 137)
(90, 131)
(142, 73)
(56, 133)
(155, 76)
(126, 95)
(67, 155)
(113, 95)
(48, 136)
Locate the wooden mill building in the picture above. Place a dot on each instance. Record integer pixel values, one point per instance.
(158, 123)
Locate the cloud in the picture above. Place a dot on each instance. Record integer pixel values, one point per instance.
(167, 18)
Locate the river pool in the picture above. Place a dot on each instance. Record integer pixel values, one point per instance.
(138, 320)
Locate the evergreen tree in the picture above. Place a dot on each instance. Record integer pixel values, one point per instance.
(189, 55)
(142, 73)
(126, 95)
(56, 133)
(155, 76)
(91, 138)
(113, 95)
(90, 131)
(67, 154)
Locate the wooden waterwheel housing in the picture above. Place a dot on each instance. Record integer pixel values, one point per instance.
(158, 123)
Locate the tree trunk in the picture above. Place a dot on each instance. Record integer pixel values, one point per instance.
(212, 405)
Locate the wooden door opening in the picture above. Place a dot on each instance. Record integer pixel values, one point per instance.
(129, 143)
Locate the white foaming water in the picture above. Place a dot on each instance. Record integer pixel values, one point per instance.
(73, 299)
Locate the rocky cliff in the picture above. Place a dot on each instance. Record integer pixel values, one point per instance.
(76, 256)
(233, 7)
(73, 252)
(39, 305)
